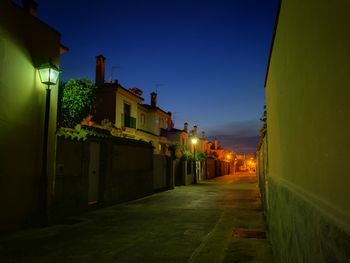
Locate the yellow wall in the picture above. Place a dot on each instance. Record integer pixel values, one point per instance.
(179, 137)
(139, 124)
(154, 122)
(22, 97)
(308, 96)
(120, 100)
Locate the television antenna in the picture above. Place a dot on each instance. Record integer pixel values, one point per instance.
(174, 114)
(113, 68)
(159, 85)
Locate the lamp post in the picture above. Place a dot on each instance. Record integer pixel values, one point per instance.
(48, 75)
(194, 141)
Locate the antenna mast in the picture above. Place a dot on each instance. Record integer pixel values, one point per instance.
(112, 70)
(158, 85)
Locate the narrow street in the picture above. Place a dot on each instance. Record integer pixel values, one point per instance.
(197, 223)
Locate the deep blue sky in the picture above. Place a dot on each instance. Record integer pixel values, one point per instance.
(211, 55)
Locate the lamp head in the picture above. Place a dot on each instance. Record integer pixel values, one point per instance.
(49, 73)
(194, 140)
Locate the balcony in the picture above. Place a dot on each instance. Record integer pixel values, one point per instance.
(128, 121)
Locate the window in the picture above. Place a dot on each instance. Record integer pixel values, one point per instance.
(127, 120)
(127, 109)
(143, 118)
(161, 122)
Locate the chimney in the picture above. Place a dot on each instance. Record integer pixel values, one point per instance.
(195, 131)
(30, 6)
(203, 135)
(216, 143)
(170, 121)
(154, 99)
(100, 70)
(186, 127)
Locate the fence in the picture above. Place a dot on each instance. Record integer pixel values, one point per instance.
(96, 172)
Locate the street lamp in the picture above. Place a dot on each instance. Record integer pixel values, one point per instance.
(194, 141)
(48, 75)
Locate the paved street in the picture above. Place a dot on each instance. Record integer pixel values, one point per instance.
(197, 223)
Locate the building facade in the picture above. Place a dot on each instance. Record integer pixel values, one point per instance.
(124, 108)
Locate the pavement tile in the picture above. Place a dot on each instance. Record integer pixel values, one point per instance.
(192, 223)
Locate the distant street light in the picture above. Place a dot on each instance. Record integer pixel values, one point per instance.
(194, 141)
(48, 75)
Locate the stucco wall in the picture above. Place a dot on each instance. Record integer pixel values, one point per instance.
(105, 104)
(139, 124)
(120, 100)
(153, 123)
(307, 93)
(178, 137)
(22, 49)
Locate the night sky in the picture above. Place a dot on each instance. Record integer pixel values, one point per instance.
(210, 56)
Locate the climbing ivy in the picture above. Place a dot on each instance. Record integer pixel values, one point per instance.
(187, 155)
(78, 133)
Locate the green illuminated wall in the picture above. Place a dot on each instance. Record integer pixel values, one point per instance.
(25, 42)
(308, 113)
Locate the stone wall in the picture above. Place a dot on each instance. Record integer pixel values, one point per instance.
(300, 232)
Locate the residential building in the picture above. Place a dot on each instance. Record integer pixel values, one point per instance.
(114, 102)
(124, 108)
(179, 136)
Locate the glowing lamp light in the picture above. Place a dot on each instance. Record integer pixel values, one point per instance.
(194, 141)
(49, 73)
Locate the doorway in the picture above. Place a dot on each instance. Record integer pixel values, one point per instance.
(94, 173)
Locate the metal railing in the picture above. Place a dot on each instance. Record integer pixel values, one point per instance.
(128, 121)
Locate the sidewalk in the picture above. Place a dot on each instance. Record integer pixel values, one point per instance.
(209, 222)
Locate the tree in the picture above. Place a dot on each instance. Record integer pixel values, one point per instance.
(76, 101)
(187, 155)
(264, 121)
